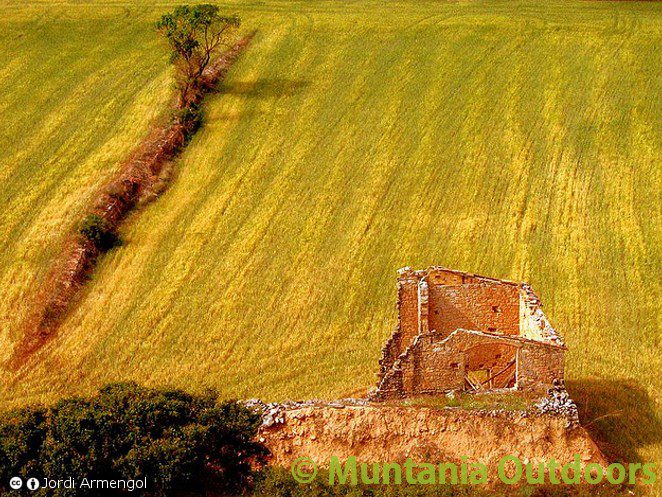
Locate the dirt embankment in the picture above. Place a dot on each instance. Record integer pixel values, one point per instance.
(385, 433)
(140, 178)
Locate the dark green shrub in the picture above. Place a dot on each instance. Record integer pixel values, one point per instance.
(22, 435)
(183, 444)
(190, 117)
(100, 232)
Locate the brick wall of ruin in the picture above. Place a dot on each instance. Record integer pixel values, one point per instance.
(497, 359)
(424, 369)
(447, 322)
(407, 328)
(539, 365)
(429, 368)
(425, 304)
(433, 366)
(533, 322)
(482, 307)
(407, 312)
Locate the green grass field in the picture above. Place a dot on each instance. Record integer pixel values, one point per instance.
(514, 139)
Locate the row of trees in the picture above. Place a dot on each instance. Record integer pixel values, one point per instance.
(194, 35)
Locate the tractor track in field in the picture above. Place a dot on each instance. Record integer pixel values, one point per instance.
(141, 178)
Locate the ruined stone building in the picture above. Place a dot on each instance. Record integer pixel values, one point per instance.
(459, 331)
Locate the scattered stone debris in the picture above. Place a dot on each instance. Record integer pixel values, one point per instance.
(558, 402)
(274, 412)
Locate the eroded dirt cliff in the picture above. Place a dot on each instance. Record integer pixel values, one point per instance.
(387, 433)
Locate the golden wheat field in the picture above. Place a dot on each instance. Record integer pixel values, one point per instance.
(514, 139)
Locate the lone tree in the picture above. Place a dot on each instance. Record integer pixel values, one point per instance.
(195, 34)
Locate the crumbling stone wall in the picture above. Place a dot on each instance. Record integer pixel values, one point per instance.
(479, 306)
(454, 324)
(539, 366)
(408, 323)
(533, 322)
(433, 366)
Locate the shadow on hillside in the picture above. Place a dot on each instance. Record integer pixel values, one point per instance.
(619, 415)
(264, 88)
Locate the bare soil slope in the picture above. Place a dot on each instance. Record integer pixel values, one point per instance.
(379, 433)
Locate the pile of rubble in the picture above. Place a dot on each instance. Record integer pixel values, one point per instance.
(559, 402)
(274, 413)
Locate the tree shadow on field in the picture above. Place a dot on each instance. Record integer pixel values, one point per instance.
(618, 414)
(264, 88)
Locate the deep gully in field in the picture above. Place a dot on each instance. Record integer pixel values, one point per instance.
(140, 178)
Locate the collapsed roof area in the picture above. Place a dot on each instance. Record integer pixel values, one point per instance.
(462, 332)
